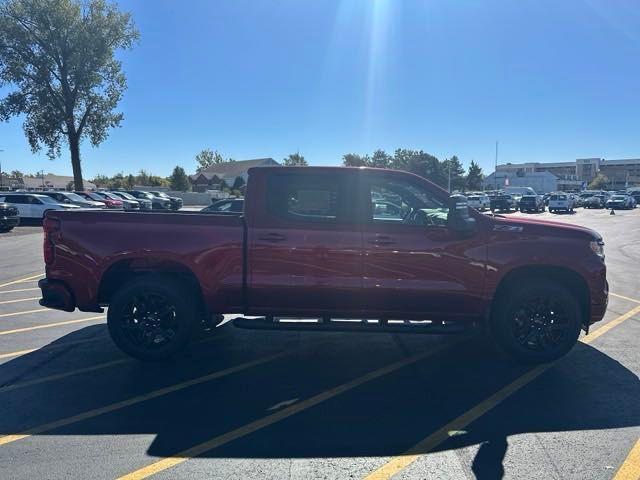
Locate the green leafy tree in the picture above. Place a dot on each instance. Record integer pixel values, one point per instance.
(599, 182)
(101, 181)
(420, 163)
(208, 157)
(380, 159)
(17, 174)
(129, 182)
(179, 181)
(59, 54)
(295, 160)
(355, 160)
(474, 177)
(452, 168)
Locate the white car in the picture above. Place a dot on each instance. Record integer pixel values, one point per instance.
(561, 201)
(31, 205)
(479, 201)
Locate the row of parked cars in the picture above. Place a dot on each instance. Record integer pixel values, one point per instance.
(526, 199)
(17, 205)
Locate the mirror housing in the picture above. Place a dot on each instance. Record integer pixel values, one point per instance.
(458, 218)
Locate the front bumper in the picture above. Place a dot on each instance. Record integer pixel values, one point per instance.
(9, 222)
(57, 295)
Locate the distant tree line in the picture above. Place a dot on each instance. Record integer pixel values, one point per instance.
(423, 164)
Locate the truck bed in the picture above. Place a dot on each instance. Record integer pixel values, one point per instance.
(92, 246)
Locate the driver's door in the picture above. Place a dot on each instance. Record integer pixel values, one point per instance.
(414, 265)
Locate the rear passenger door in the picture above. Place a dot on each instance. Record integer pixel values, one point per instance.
(305, 252)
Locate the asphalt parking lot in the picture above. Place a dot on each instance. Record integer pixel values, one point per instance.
(253, 404)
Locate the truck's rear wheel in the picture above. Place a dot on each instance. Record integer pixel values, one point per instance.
(536, 322)
(152, 318)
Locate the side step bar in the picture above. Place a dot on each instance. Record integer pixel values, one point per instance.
(325, 325)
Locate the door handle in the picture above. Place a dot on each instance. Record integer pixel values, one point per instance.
(382, 240)
(272, 237)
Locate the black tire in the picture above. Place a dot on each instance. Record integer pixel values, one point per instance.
(5, 229)
(153, 317)
(538, 321)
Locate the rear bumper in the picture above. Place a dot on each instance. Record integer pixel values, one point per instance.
(57, 295)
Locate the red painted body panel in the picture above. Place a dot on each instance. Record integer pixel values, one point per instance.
(323, 269)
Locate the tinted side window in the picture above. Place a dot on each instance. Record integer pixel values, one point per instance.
(313, 198)
(20, 199)
(401, 202)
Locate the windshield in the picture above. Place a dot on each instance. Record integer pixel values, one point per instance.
(520, 190)
(75, 197)
(46, 199)
(125, 195)
(618, 197)
(160, 194)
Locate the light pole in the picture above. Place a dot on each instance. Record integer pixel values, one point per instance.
(495, 172)
(1, 171)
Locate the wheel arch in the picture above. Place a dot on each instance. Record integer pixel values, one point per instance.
(124, 270)
(566, 276)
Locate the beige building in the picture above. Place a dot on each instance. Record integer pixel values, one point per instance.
(573, 175)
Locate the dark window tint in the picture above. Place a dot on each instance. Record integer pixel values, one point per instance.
(306, 197)
(19, 199)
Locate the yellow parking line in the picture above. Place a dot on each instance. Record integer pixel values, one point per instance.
(630, 469)
(400, 462)
(19, 300)
(78, 371)
(59, 376)
(18, 353)
(20, 290)
(624, 298)
(44, 348)
(263, 422)
(24, 313)
(137, 399)
(50, 325)
(21, 280)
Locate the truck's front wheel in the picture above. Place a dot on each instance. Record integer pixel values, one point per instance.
(152, 318)
(536, 322)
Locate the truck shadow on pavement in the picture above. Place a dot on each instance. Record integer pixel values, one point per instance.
(382, 417)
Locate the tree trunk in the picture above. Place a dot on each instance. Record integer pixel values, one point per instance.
(74, 145)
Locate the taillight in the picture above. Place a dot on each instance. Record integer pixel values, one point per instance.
(51, 227)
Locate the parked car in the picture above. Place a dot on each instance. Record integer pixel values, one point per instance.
(74, 199)
(480, 201)
(157, 203)
(230, 206)
(176, 202)
(502, 202)
(595, 201)
(620, 202)
(532, 203)
(109, 202)
(31, 205)
(518, 192)
(126, 204)
(143, 202)
(9, 217)
(561, 201)
(308, 245)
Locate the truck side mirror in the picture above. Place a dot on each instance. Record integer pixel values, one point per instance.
(458, 219)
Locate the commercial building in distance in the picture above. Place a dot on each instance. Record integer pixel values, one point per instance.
(573, 175)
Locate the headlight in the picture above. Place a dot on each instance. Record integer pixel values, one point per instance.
(597, 246)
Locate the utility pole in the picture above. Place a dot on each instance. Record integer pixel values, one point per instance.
(495, 172)
(1, 171)
(449, 185)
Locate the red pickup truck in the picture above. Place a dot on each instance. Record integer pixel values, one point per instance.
(331, 243)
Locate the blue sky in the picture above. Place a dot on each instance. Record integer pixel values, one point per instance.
(550, 80)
